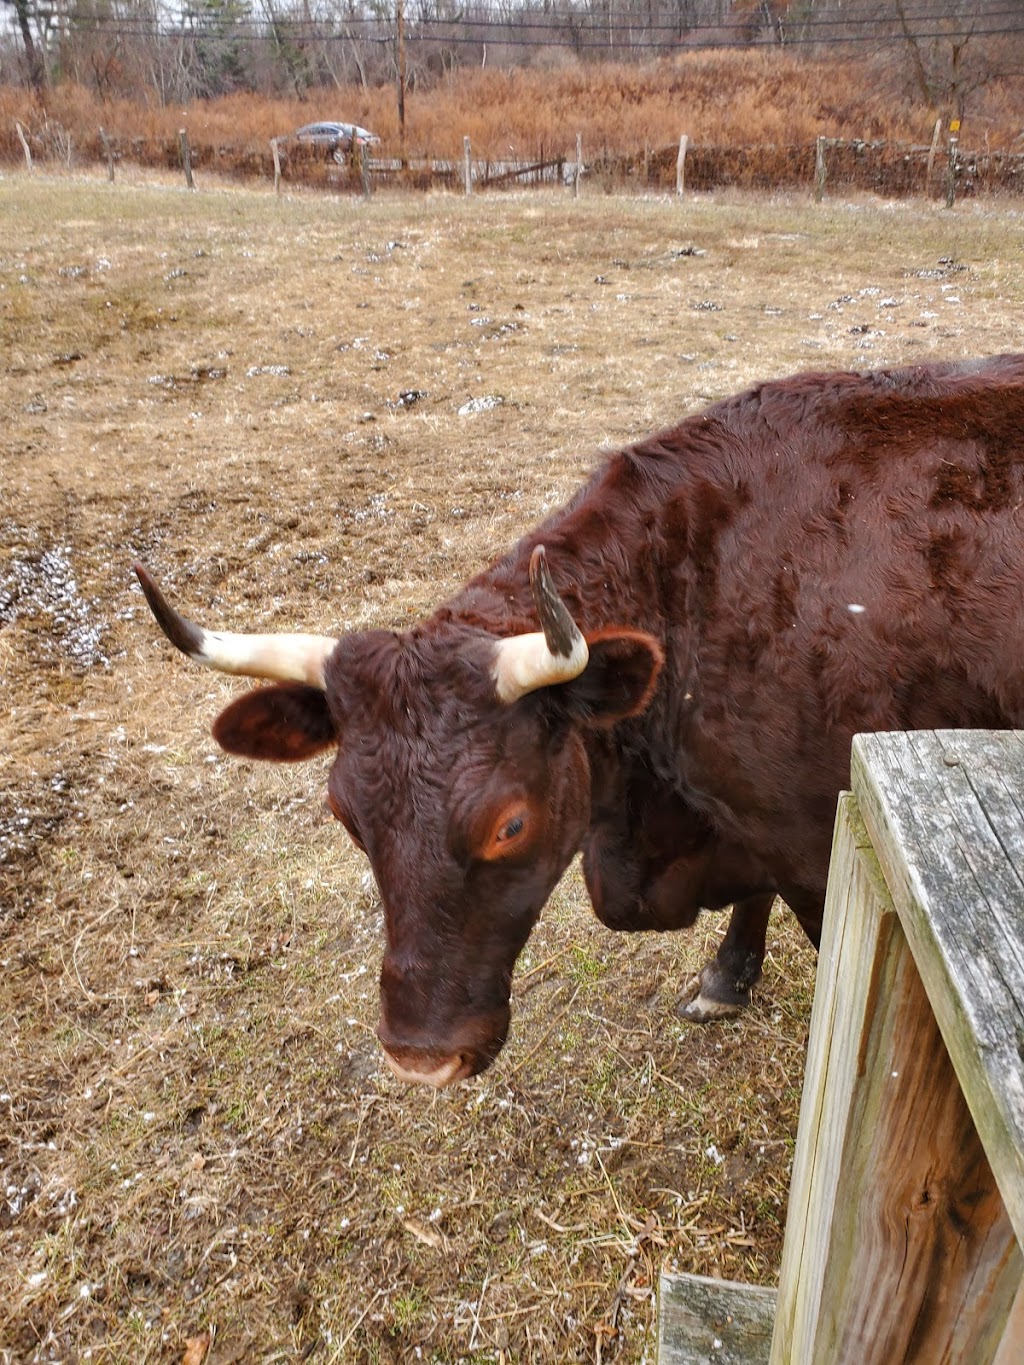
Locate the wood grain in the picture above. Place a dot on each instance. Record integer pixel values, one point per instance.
(898, 1245)
(945, 811)
(713, 1322)
(906, 1214)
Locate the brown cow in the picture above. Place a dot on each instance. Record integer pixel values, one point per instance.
(728, 603)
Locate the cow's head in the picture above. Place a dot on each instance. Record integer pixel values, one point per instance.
(461, 770)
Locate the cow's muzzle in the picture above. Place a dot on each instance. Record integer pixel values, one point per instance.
(447, 1072)
(471, 1049)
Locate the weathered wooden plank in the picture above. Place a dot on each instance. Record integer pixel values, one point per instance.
(898, 1246)
(945, 811)
(713, 1322)
(923, 1263)
(856, 893)
(1011, 1348)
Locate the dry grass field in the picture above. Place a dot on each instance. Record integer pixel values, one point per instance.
(322, 414)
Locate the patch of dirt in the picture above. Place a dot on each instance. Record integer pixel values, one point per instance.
(198, 1142)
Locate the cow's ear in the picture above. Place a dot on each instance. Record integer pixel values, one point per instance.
(619, 679)
(284, 723)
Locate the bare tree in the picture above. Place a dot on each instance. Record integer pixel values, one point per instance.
(34, 57)
(952, 53)
(940, 52)
(218, 32)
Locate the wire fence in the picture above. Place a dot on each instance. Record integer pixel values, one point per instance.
(889, 169)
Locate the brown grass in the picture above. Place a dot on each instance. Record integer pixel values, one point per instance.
(718, 98)
(196, 1133)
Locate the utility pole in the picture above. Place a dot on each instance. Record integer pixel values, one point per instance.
(400, 25)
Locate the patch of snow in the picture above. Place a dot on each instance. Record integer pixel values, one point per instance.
(484, 404)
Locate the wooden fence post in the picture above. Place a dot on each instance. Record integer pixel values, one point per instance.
(819, 170)
(577, 173)
(186, 157)
(467, 166)
(951, 171)
(874, 1210)
(277, 164)
(24, 144)
(364, 169)
(684, 142)
(905, 1228)
(108, 152)
(931, 155)
(911, 1111)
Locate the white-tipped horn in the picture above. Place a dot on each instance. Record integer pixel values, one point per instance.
(557, 653)
(284, 658)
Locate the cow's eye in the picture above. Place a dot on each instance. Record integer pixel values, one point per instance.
(512, 830)
(509, 833)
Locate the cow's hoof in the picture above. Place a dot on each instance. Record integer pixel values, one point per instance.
(703, 1009)
(713, 995)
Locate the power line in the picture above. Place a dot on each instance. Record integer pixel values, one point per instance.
(590, 39)
(870, 15)
(559, 30)
(757, 41)
(666, 23)
(527, 18)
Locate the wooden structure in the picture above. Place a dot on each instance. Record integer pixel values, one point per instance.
(713, 1322)
(819, 169)
(275, 152)
(684, 142)
(185, 152)
(24, 145)
(906, 1213)
(108, 153)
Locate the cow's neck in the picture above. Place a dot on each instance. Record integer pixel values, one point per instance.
(603, 548)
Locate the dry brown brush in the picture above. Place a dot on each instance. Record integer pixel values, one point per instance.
(754, 99)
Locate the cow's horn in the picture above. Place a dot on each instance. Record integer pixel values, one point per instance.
(285, 658)
(557, 653)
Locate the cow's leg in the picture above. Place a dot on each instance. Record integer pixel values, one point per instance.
(722, 989)
(808, 913)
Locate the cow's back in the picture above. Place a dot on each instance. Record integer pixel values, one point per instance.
(844, 553)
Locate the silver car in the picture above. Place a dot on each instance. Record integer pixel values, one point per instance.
(335, 138)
